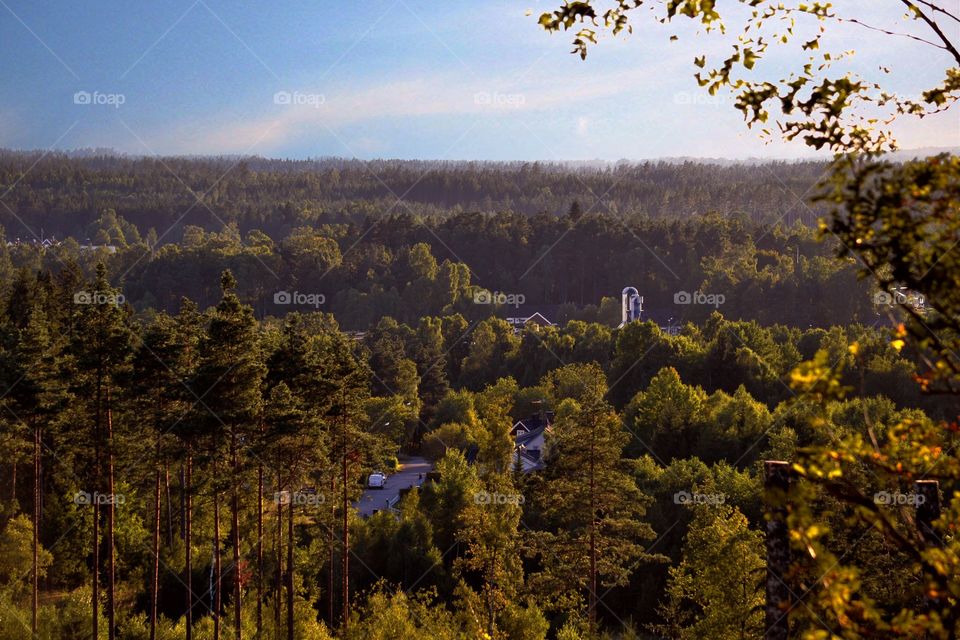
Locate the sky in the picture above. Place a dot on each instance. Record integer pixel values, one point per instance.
(458, 80)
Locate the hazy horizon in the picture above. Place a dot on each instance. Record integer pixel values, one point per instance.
(402, 79)
(88, 152)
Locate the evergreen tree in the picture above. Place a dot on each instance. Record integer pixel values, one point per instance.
(189, 329)
(160, 368)
(491, 560)
(351, 445)
(431, 362)
(592, 506)
(228, 380)
(322, 369)
(100, 343)
(666, 417)
(34, 396)
(290, 443)
(716, 593)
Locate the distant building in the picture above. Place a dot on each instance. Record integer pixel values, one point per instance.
(534, 321)
(48, 243)
(89, 246)
(528, 437)
(38, 243)
(631, 306)
(632, 311)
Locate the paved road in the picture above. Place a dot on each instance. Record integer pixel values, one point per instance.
(409, 475)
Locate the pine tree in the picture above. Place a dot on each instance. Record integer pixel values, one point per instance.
(34, 395)
(328, 382)
(351, 446)
(157, 385)
(489, 531)
(431, 360)
(101, 345)
(716, 591)
(228, 379)
(589, 500)
(283, 444)
(189, 330)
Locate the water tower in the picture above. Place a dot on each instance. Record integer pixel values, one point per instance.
(632, 305)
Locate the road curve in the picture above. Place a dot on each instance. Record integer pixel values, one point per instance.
(411, 474)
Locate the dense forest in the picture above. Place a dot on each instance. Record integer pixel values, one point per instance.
(172, 431)
(313, 399)
(186, 451)
(333, 230)
(64, 194)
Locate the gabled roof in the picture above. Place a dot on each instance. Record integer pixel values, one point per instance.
(532, 424)
(529, 440)
(536, 318)
(528, 309)
(539, 319)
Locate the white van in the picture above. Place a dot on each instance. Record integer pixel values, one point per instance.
(376, 480)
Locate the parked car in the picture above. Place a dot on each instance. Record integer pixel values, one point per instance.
(376, 480)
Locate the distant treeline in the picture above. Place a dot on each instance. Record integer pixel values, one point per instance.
(64, 194)
(407, 267)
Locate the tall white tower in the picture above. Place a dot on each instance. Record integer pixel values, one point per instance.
(632, 305)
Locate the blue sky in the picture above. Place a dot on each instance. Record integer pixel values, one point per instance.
(392, 78)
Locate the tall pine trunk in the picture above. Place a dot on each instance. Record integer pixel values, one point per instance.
(331, 537)
(278, 586)
(35, 586)
(188, 537)
(217, 575)
(183, 500)
(345, 558)
(95, 578)
(155, 575)
(235, 525)
(260, 551)
(169, 503)
(95, 597)
(111, 525)
(290, 568)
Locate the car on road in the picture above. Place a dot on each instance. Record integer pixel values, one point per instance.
(376, 480)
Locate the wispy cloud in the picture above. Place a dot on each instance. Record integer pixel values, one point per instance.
(296, 111)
